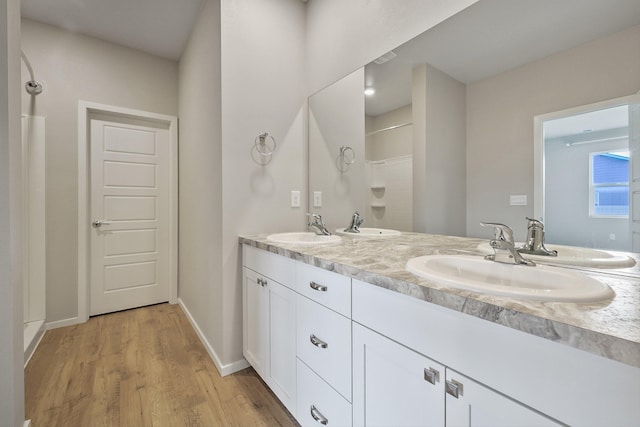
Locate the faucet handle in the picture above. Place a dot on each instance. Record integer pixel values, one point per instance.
(502, 232)
(532, 222)
(357, 219)
(315, 216)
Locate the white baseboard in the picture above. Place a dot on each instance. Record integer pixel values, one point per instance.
(224, 370)
(27, 423)
(33, 334)
(62, 323)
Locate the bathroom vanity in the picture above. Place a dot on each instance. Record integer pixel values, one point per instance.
(344, 335)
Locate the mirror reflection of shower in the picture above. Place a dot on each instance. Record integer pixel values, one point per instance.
(32, 86)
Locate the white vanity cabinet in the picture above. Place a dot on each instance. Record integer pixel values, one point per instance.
(323, 347)
(255, 328)
(318, 402)
(504, 377)
(269, 319)
(324, 343)
(340, 352)
(293, 309)
(470, 404)
(394, 385)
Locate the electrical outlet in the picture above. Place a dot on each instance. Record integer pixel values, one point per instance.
(317, 199)
(295, 199)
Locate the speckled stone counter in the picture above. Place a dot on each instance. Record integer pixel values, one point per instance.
(610, 329)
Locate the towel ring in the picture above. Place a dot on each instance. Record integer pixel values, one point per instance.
(262, 144)
(347, 159)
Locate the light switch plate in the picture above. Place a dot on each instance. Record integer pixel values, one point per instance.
(317, 199)
(518, 200)
(295, 199)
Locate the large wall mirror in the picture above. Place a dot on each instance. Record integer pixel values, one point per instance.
(445, 136)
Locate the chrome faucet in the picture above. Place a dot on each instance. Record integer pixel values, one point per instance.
(504, 246)
(535, 239)
(317, 224)
(356, 222)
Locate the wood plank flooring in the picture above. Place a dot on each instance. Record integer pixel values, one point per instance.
(142, 367)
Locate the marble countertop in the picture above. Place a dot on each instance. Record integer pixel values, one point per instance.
(610, 329)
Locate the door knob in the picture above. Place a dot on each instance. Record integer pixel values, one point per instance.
(99, 223)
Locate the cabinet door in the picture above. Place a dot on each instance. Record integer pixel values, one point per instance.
(282, 347)
(255, 312)
(391, 383)
(477, 405)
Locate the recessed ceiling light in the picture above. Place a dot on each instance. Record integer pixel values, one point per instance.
(369, 91)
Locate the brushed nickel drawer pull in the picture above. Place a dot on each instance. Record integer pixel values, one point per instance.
(317, 287)
(318, 416)
(454, 388)
(431, 375)
(318, 342)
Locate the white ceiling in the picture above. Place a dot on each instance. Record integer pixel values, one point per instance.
(159, 27)
(493, 36)
(593, 121)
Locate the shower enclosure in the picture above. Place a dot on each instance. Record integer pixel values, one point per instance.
(33, 170)
(33, 190)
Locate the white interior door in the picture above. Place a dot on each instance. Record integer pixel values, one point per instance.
(129, 211)
(634, 172)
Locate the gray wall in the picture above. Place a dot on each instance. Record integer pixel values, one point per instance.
(439, 140)
(233, 86)
(200, 181)
(567, 219)
(11, 328)
(263, 90)
(500, 114)
(73, 67)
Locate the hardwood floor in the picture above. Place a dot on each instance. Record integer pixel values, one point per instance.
(142, 367)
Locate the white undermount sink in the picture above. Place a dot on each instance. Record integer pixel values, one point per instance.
(570, 255)
(302, 238)
(539, 283)
(369, 232)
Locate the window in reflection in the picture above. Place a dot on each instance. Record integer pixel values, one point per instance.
(609, 185)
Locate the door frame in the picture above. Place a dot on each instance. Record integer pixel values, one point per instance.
(85, 110)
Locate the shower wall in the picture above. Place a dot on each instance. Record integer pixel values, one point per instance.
(34, 256)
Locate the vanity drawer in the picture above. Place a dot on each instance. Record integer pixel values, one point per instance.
(324, 343)
(318, 401)
(276, 267)
(325, 287)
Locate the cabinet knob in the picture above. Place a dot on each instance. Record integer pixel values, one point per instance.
(318, 416)
(431, 375)
(317, 287)
(262, 282)
(454, 388)
(318, 342)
